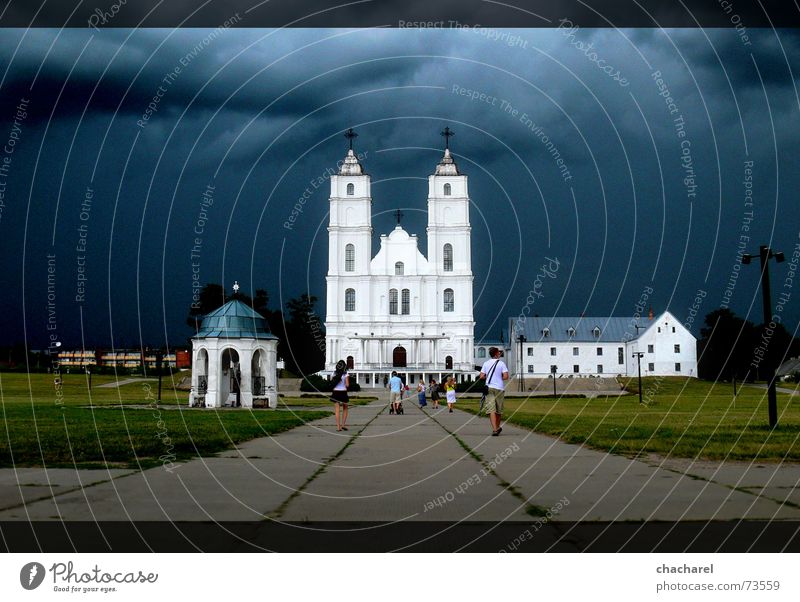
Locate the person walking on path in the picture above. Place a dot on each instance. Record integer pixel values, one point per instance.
(339, 397)
(450, 392)
(495, 372)
(434, 393)
(421, 395)
(395, 388)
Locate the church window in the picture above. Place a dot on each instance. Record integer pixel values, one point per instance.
(599, 368)
(677, 367)
(349, 258)
(449, 300)
(530, 351)
(481, 351)
(406, 302)
(448, 257)
(530, 368)
(620, 355)
(651, 366)
(351, 189)
(447, 190)
(399, 268)
(677, 348)
(393, 301)
(350, 300)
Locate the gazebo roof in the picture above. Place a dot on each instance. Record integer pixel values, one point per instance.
(234, 320)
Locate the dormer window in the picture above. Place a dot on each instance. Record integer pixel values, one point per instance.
(351, 189)
(596, 332)
(545, 332)
(571, 331)
(447, 190)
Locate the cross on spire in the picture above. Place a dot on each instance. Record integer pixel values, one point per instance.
(398, 215)
(447, 132)
(350, 134)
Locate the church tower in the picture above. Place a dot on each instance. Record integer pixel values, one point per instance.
(349, 246)
(449, 248)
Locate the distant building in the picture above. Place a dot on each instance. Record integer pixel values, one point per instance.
(122, 358)
(597, 346)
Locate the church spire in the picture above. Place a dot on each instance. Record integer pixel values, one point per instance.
(447, 167)
(350, 166)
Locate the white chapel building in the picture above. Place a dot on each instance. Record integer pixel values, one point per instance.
(399, 310)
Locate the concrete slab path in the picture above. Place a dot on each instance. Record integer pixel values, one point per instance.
(424, 465)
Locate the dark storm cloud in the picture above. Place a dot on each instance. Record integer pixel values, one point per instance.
(400, 87)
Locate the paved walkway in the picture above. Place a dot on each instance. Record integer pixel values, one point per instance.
(429, 465)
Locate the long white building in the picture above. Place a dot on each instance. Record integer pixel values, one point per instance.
(399, 310)
(598, 346)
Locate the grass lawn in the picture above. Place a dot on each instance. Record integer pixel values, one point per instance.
(685, 418)
(41, 428)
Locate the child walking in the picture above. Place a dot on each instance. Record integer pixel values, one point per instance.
(450, 392)
(421, 396)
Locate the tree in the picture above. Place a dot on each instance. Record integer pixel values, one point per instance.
(305, 349)
(726, 346)
(210, 298)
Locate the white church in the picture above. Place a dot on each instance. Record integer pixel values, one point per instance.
(399, 310)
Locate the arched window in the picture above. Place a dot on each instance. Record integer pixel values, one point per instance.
(350, 300)
(448, 362)
(349, 258)
(399, 268)
(350, 362)
(449, 300)
(447, 255)
(447, 190)
(481, 351)
(393, 301)
(351, 189)
(406, 302)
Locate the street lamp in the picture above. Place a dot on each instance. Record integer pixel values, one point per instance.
(521, 339)
(765, 254)
(639, 355)
(553, 372)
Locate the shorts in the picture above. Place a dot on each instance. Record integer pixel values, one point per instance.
(340, 397)
(394, 397)
(494, 401)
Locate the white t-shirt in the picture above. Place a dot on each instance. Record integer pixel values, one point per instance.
(342, 384)
(497, 381)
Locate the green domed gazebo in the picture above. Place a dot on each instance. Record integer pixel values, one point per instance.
(234, 359)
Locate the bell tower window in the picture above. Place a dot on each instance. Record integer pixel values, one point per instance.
(350, 258)
(393, 301)
(447, 256)
(449, 300)
(447, 190)
(350, 300)
(351, 189)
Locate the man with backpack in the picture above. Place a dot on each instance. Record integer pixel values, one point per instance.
(495, 373)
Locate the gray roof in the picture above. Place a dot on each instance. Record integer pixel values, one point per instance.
(612, 330)
(234, 320)
(789, 367)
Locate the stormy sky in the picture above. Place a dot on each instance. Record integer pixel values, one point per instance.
(632, 158)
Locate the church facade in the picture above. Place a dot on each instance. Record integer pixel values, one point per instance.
(399, 310)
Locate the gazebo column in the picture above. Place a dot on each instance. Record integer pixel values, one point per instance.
(246, 383)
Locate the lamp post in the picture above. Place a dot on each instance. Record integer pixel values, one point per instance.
(639, 355)
(159, 358)
(521, 339)
(553, 372)
(765, 254)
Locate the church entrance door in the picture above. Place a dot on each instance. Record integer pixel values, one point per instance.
(399, 357)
